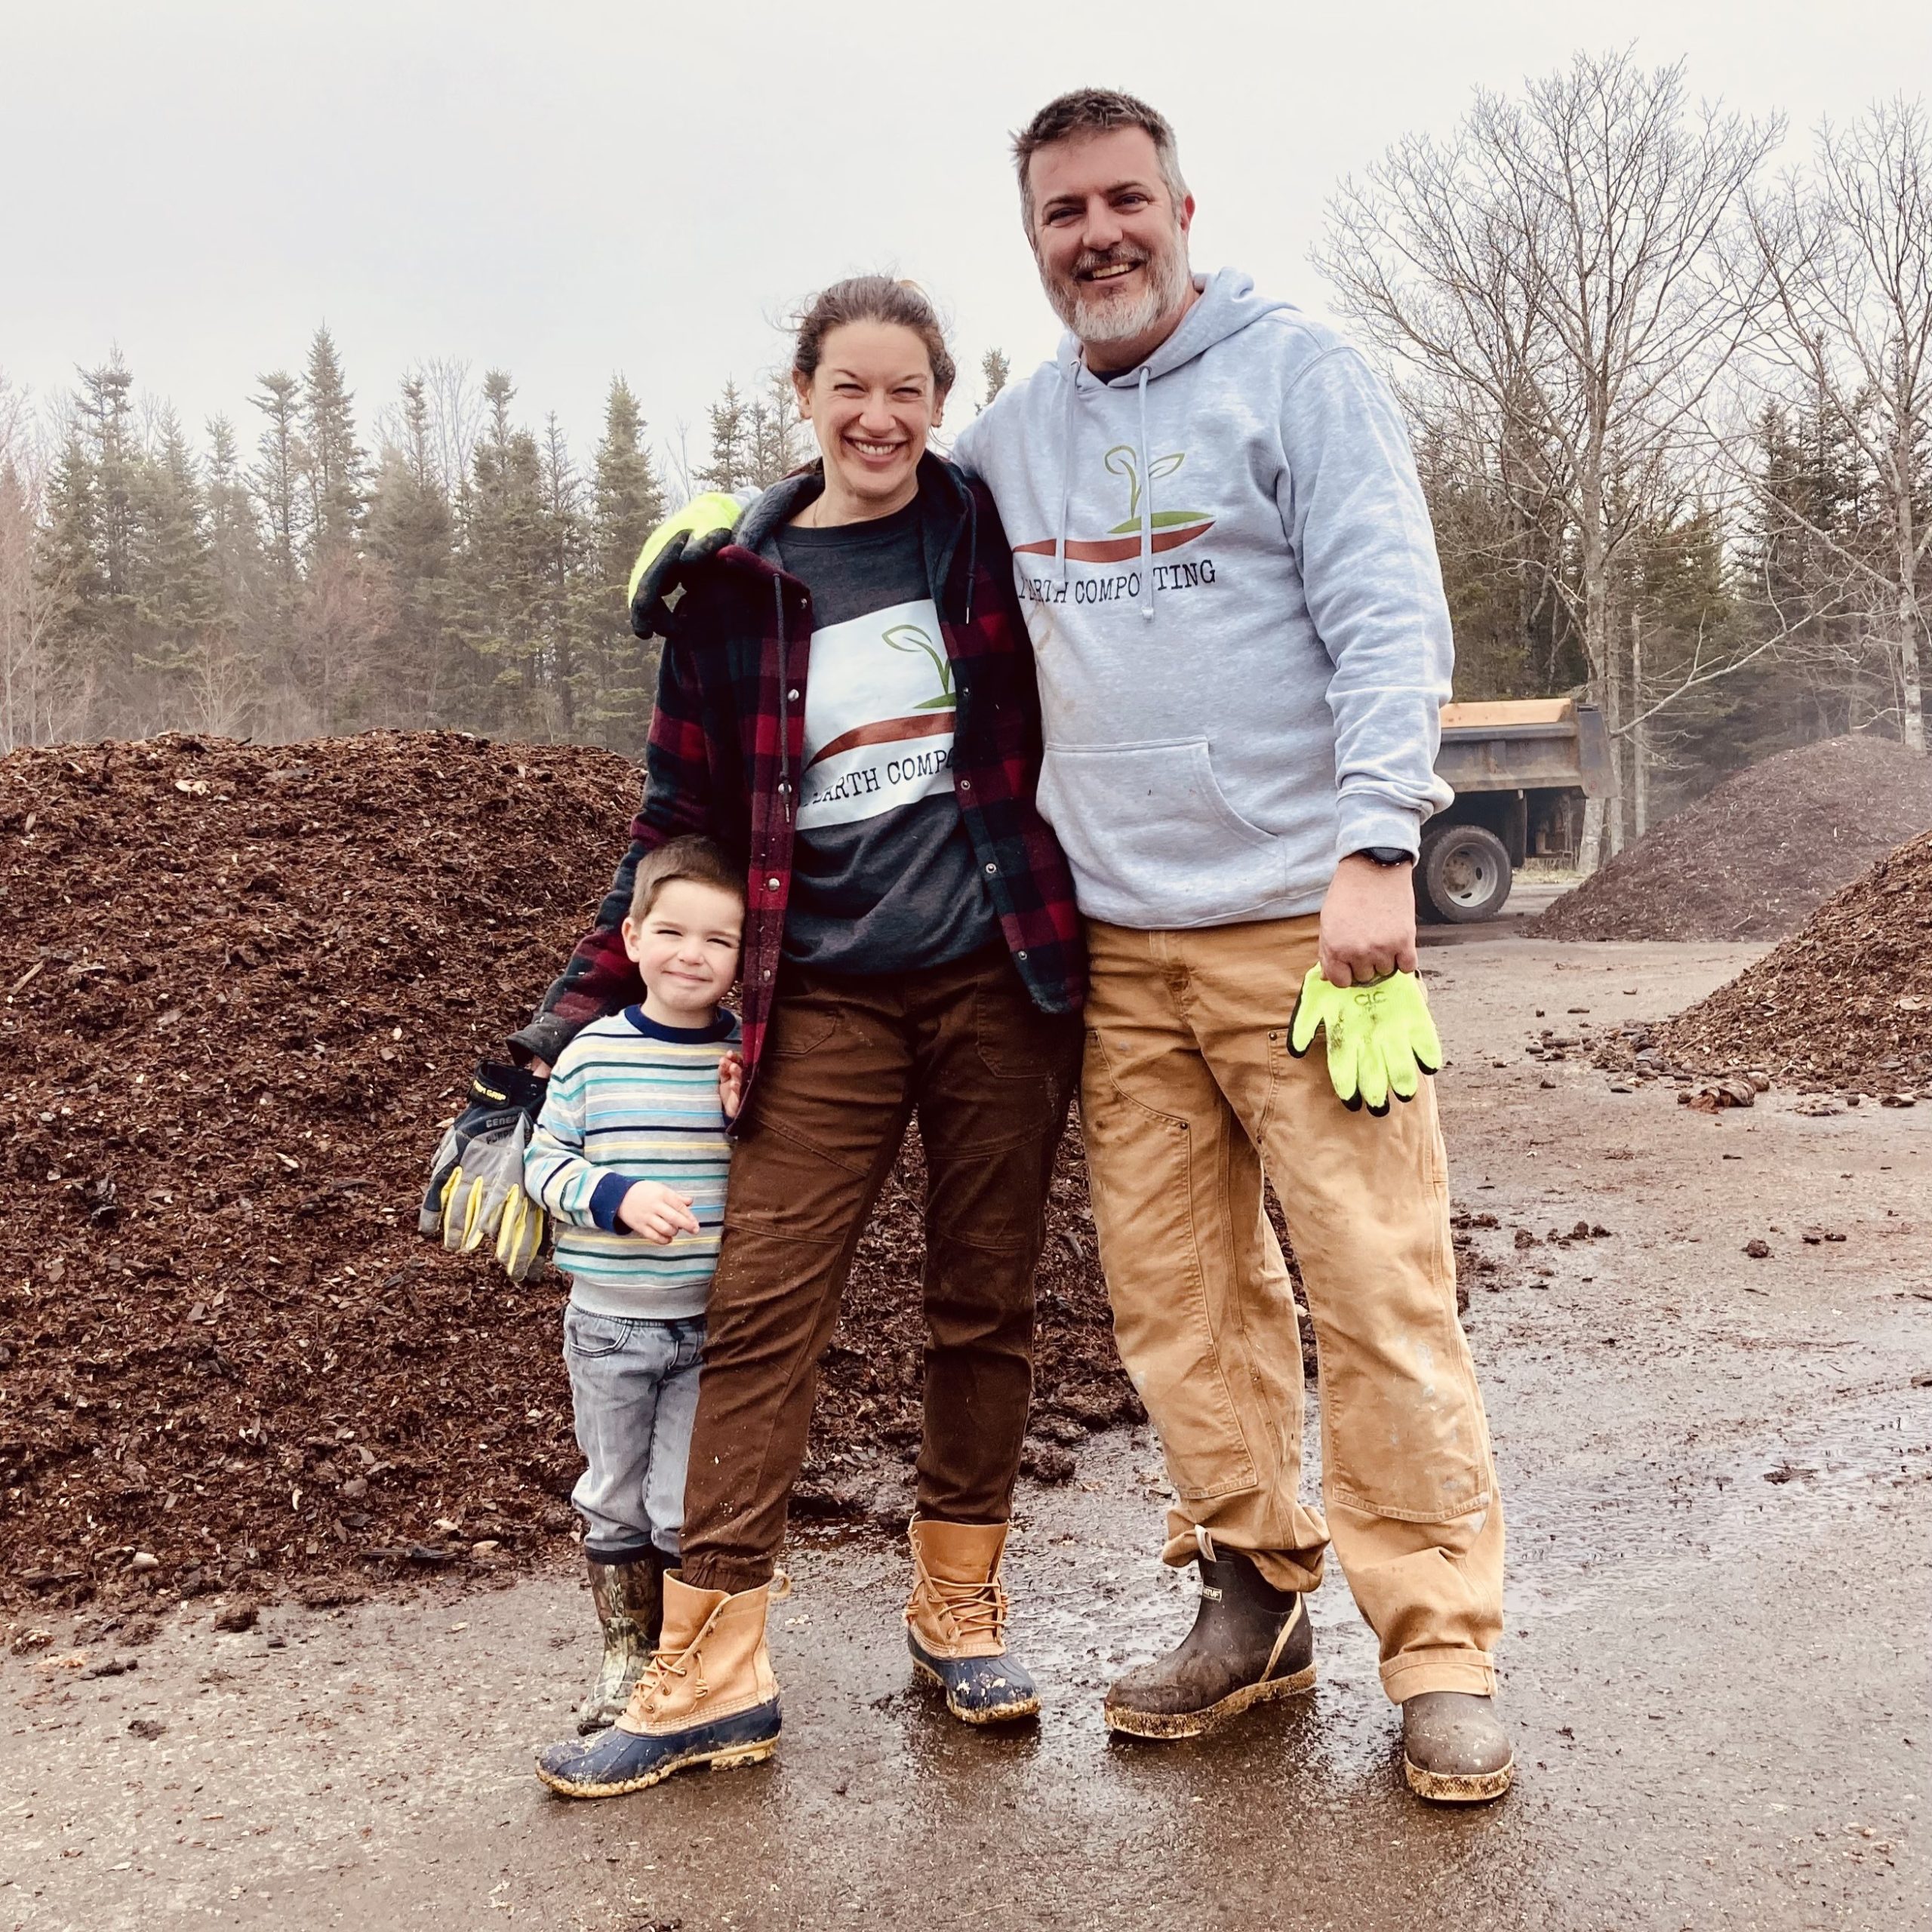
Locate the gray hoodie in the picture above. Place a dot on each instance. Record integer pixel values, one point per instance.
(1227, 571)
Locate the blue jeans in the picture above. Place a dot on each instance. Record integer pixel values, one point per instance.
(634, 1390)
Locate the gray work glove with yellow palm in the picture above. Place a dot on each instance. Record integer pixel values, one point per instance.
(475, 1192)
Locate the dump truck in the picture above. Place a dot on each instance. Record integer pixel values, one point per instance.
(1520, 770)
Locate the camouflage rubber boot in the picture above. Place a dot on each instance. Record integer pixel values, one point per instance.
(1454, 1748)
(707, 1698)
(956, 1623)
(1251, 1642)
(629, 1597)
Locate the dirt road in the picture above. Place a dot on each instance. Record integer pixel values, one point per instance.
(1719, 1472)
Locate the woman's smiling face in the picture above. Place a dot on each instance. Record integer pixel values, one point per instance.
(871, 402)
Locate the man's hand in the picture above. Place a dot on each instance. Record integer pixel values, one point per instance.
(657, 1213)
(731, 1084)
(1368, 923)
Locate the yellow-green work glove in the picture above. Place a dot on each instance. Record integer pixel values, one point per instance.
(700, 529)
(1381, 1039)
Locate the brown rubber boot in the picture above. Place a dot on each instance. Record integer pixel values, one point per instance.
(709, 1697)
(1251, 1642)
(1454, 1749)
(628, 1598)
(955, 1622)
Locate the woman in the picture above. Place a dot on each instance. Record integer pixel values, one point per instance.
(847, 702)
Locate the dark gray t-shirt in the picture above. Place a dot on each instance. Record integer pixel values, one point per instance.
(883, 878)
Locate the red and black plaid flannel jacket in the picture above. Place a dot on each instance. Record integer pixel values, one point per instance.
(727, 744)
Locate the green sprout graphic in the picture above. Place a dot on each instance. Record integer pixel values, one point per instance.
(910, 637)
(1121, 461)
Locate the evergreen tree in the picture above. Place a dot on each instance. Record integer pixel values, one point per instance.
(172, 582)
(234, 539)
(627, 502)
(67, 567)
(771, 433)
(730, 464)
(411, 531)
(332, 461)
(228, 676)
(280, 463)
(567, 669)
(505, 570)
(30, 699)
(995, 370)
(104, 408)
(90, 548)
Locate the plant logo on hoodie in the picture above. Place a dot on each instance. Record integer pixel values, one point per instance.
(1170, 528)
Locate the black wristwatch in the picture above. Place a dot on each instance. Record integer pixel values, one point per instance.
(1385, 855)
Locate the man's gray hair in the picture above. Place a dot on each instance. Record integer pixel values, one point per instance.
(1095, 111)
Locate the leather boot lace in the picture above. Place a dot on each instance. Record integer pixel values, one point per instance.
(667, 1668)
(976, 1610)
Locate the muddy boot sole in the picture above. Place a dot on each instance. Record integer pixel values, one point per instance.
(728, 1758)
(1012, 1713)
(1463, 1788)
(1198, 1723)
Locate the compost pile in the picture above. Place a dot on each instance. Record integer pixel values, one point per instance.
(242, 986)
(1757, 856)
(1846, 1003)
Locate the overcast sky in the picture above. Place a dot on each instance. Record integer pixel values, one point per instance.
(575, 188)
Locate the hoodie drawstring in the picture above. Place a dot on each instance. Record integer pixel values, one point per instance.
(1066, 470)
(1146, 510)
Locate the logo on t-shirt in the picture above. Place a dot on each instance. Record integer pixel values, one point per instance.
(879, 711)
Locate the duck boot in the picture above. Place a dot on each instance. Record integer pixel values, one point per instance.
(707, 1697)
(1250, 1642)
(955, 1622)
(628, 1595)
(1454, 1748)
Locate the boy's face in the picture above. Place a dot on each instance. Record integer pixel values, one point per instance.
(686, 947)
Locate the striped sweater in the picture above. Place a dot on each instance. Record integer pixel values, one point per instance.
(633, 1100)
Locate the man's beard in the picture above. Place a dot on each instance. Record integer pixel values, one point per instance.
(1101, 319)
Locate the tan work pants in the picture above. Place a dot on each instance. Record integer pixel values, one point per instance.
(1189, 1088)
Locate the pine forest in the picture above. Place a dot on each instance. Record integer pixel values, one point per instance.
(1672, 409)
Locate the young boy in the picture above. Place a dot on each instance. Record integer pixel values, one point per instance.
(629, 1156)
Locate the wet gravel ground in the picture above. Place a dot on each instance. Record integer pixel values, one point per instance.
(1718, 1474)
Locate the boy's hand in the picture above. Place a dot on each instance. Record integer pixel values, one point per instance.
(657, 1213)
(731, 1084)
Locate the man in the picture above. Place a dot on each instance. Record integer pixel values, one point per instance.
(1242, 648)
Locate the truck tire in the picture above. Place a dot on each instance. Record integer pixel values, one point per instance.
(1463, 875)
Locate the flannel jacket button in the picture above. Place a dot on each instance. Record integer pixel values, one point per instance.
(992, 868)
(771, 885)
(768, 973)
(965, 784)
(1021, 955)
(792, 695)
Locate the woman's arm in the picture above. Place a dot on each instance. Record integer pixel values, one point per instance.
(600, 977)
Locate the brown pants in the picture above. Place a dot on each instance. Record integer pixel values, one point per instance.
(1189, 1088)
(847, 1063)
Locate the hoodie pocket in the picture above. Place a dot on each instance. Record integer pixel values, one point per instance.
(1148, 827)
